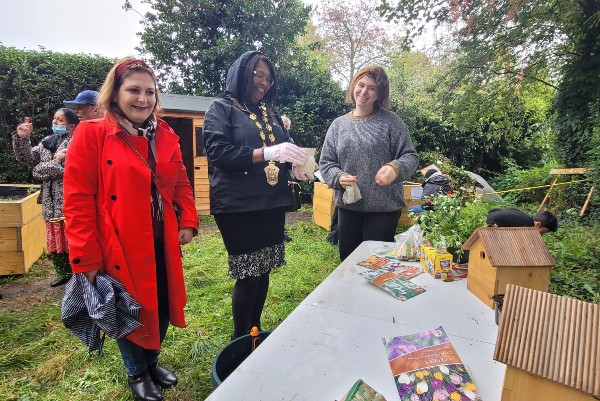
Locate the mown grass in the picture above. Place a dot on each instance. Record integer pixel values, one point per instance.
(41, 360)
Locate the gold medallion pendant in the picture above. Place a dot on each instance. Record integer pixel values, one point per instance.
(272, 173)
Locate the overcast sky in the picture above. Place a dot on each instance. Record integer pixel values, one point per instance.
(73, 26)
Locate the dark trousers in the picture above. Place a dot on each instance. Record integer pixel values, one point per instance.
(356, 227)
(135, 358)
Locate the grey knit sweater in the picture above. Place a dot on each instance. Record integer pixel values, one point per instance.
(360, 147)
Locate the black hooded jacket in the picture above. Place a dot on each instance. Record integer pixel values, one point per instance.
(230, 137)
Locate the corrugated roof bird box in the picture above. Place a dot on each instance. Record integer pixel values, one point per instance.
(506, 255)
(550, 345)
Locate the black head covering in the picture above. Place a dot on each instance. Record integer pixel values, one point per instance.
(240, 73)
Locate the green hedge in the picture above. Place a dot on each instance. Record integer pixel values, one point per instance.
(34, 84)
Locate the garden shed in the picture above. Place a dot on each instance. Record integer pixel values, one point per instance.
(506, 255)
(550, 345)
(185, 114)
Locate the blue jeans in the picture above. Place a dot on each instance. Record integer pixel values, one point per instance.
(135, 358)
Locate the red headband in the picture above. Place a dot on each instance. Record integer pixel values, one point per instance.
(129, 64)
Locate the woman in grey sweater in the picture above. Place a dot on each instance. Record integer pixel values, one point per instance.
(368, 149)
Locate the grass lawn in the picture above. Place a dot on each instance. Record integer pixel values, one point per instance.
(41, 360)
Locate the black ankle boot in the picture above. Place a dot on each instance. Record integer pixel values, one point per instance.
(143, 388)
(162, 377)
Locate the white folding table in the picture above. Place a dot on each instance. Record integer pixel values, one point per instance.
(334, 337)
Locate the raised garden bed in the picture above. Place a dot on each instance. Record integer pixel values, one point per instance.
(22, 231)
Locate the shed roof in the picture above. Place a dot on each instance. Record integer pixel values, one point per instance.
(550, 336)
(512, 246)
(185, 103)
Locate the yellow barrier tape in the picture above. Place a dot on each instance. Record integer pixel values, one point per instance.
(536, 187)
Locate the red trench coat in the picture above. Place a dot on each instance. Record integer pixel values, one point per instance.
(108, 217)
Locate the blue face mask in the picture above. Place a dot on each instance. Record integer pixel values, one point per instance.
(59, 129)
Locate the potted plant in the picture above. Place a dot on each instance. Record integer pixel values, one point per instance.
(449, 224)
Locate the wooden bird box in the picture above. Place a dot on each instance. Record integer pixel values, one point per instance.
(506, 255)
(550, 345)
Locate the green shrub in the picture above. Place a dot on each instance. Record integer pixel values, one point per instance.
(448, 224)
(515, 177)
(35, 84)
(574, 248)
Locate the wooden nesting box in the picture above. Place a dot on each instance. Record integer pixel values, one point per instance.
(550, 345)
(22, 229)
(506, 255)
(412, 197)
(323, 205)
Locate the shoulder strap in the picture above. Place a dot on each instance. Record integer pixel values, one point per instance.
(161, 189)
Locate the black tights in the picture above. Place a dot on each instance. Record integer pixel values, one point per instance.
(247, 302)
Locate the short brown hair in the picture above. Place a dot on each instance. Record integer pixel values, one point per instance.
(381, 82)
(114, 79)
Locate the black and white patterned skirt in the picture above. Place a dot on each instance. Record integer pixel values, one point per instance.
(254, 241)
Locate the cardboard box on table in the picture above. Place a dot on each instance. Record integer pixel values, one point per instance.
(436, 262)
(412, 197)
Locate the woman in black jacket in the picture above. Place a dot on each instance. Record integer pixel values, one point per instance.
(249, 154)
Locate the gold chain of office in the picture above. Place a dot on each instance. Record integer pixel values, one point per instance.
(271, 171)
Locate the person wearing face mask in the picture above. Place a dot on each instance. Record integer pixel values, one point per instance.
(48, 159)
(124, 176)
(368, 153)
(249, 157)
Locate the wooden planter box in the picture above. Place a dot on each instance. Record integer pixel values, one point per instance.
(22, 229)
(323, 205)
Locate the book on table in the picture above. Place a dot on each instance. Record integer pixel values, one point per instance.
(426, 367)
(395, 279)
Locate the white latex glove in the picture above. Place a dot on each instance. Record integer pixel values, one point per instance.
(286, 153)
(301, 175)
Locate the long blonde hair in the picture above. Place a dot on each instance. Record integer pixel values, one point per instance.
(114, 79)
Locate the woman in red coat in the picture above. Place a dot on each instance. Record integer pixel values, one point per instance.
(120, 216)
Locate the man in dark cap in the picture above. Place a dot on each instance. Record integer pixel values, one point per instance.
(85, 105)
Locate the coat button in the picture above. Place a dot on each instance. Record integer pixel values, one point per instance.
(117, 267)
(113, 197)
(109, 162)
(116, 231)
(76, 261)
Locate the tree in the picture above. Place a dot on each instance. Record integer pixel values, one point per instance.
(193, 42)
(550, 42)
(309, 96)
(353, 36)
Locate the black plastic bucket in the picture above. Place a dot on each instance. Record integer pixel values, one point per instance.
(230, 357)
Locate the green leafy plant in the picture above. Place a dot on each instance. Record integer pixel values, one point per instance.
(449, 224)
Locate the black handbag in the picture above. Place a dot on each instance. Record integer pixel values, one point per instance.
(295, 201)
